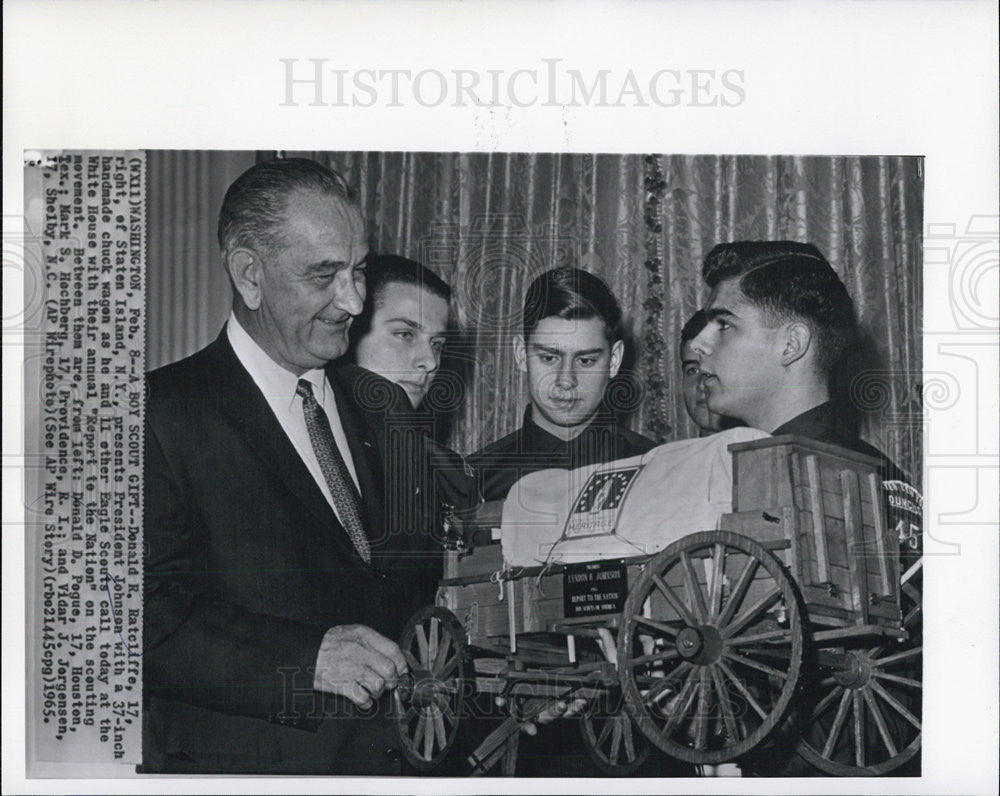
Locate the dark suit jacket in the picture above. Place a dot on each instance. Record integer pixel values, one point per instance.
(423, 478)
(247, 567)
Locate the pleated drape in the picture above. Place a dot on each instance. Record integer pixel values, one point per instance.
(489, 223)
(864, 214)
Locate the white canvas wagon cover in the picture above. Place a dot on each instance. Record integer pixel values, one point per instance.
(624, 508)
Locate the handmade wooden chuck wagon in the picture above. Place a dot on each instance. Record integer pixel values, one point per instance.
(791, 620)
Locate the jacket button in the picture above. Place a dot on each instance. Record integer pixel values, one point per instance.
(393, 755)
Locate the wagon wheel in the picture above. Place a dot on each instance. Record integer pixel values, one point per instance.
(867, 715)
(429, 698)
(710, 647)
(610, 737)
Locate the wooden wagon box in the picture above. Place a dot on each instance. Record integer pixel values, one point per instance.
(817, 506)
(827, 502)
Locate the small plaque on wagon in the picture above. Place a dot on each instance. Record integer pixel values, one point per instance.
(594, 587)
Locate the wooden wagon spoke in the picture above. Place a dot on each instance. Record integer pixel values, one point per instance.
(753, 611)
(888, 660)
(895, 678)
(444, 647)
(448, 713)
(626, 725)
(756, 638)
(718, 570)
(412, 662)
(880, 723)
(859, 730)
(421, 637)
(439, 730)
(408, 715)
(701, 711)
(654, 625)
(683, 704)
(838, 722)
(675, 602)
(894, 703)
(739, 591)
(826, 701)
(742, 689)
(432, 642)
(761, 667)
(418, 733)
(692, 588)
(449, 668)
(616, 739)
(725, 707)
(666, 655)
(428, 739)
(606, 731)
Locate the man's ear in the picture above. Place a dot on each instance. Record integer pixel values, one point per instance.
(520, 354)
(617, 352)
(796, 342)
(245, 272)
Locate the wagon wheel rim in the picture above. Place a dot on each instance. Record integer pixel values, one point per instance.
(428, 703)
(866, 721)
(611, 739)
(713, 667)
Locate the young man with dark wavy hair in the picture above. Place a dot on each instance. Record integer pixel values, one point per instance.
(779, 321)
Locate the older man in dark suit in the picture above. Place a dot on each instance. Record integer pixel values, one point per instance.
(268, 608)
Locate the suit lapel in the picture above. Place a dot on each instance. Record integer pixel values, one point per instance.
(243, 401)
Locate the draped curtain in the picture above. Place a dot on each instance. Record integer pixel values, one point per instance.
(490, 223)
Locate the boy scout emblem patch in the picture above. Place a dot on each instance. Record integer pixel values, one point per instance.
(597, 507)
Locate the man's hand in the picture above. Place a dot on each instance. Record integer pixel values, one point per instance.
(357, 663)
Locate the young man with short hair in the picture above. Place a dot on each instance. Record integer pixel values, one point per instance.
(779, 321)
(571, 347)
(401, 331)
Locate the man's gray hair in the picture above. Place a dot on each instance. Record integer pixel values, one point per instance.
(254, 210)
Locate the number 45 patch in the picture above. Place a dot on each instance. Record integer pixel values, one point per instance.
(906, 510)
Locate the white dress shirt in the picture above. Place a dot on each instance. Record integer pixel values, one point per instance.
(278, 386)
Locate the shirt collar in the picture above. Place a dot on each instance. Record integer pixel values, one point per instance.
(274, 381)
(534, 437)
(815, 423)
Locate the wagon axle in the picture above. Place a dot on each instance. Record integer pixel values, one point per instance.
(701, 645)
(853, 670)
(421, 689)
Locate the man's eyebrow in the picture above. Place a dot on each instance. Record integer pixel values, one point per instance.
(325, 265)
(408, 321)
(562, 352)
(719, 312)
(691, 361)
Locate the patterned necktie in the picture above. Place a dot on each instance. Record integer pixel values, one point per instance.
(345, 494)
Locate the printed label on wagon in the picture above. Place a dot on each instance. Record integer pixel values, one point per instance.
(594, 587)
(600, 502)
